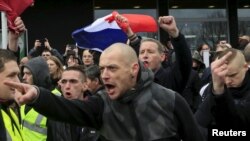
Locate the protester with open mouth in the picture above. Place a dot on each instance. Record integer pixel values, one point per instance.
(133, 107)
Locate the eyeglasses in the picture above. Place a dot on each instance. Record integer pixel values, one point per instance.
(71, 81)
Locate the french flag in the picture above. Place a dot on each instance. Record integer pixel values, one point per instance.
(100, 34)
(106, 30)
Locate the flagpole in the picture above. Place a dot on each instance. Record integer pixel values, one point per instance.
(4, 30)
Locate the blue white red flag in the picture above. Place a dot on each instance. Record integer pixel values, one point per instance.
(99, 35)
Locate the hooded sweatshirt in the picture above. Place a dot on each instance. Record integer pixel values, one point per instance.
(148, 112)
(40, 71)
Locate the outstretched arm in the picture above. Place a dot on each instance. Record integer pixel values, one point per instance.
(85, 113)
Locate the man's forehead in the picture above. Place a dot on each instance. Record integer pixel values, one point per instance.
(71, 73)
(25, 69)
(111, 56)
(148, 47)
(148, 44)
(46, 52)
(109, 60)
(11, 64)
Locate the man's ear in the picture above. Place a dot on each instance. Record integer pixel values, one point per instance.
(246, 66)
(163, 57)
(59, 83)
(97, 81)
(135, 70)
(84, 86)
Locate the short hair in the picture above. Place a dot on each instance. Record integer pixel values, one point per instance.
(78, 69)
(247, 52)
(93, 73)
(6, 56)
(236, 54)
(46, 50)
(161, 47)
(223, 46)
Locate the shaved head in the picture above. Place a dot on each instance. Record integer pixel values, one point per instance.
(237, 58)
(237, 68)
(119, 69)
(125, 51)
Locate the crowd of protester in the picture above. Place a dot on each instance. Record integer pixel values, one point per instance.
(139, 91)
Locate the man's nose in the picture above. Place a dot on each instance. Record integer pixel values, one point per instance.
(228, 80)
(105, 74)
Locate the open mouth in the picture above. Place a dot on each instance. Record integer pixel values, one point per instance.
(145, 63)
(110, 88)
(67, 94)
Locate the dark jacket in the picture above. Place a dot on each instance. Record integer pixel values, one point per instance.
(37, 52)
(231, 110)
(60, 131)
(175, 76)
(206, 76)
(149, 112)
(191, 92)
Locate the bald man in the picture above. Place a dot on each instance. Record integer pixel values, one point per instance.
(227, 106)
(132, 107)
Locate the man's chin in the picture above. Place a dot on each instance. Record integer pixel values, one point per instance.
(112, 96)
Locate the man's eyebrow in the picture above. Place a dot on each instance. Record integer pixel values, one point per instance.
(13, 73)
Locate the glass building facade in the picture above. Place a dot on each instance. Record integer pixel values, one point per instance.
(204, 21)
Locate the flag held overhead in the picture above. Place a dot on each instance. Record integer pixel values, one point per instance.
(137, 22)
(106, 30)
(141, 23)
(13, 9)
(99, 35)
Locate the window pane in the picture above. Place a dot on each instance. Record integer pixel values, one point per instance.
(201, 25)
(244, 21)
